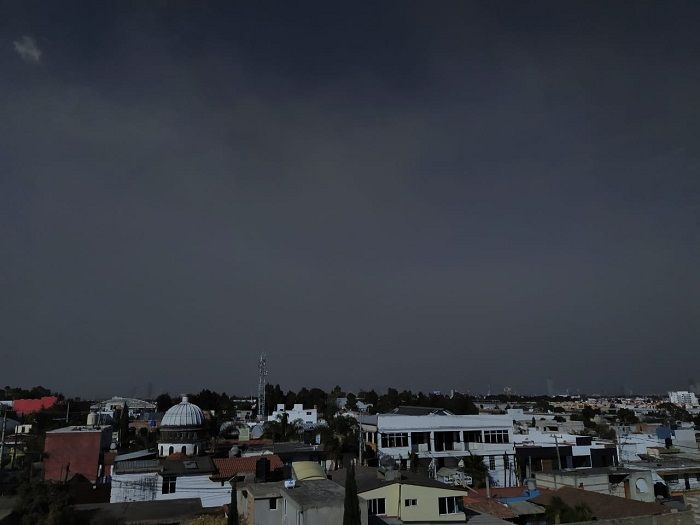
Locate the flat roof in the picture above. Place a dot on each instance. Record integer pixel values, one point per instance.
(594, 471)
(447, 422)
(79, 428)
(270, 489)
(316, 493)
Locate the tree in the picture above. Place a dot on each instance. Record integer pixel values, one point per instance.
(474, 466)
(351, 402)
(233, 507)
(124, 427)
(164, 402)
(627, 416)
(351, 515)
(42, 503)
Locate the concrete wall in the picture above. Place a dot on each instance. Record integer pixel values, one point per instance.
(600, 483)
(265, 516)
(314, 515)
(427, 508)
(148, 486)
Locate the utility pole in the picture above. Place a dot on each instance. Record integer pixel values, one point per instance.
(556, 444)
(361, 443)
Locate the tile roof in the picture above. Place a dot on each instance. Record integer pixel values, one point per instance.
(602, 506)
(230, 467)
(488, 506)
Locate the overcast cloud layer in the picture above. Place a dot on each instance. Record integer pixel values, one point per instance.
(413, 195)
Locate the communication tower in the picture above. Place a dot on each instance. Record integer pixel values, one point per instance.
(262, 383)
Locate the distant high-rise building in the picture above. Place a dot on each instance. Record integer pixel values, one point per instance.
(683, 398)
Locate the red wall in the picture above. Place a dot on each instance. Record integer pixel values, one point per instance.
(79, 452)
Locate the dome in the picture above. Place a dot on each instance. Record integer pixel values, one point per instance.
(184, 414)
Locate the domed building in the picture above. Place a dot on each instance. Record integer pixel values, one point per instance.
(182, 430)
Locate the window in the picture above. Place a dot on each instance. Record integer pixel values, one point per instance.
(308, 413)
(184, 449)
(273, 503)
(395, 440)
(171, 450)
(376, 507)
(496, 436)
(492, 462)
(473, 436)
(506, 462)
(672, 478)
(448, 505)
(169, 484)
(410, 502)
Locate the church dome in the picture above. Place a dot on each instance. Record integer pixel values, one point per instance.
(184, 414)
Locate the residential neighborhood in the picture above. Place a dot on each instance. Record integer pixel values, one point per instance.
(516, 459)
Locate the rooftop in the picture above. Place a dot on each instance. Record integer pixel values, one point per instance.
(230, 467)
(170, 511)
(602, 506)
(488, 506)
(316, 494)
(180, 466)
(407, 410)
(271, 489)
(82, 428)
(368, 478)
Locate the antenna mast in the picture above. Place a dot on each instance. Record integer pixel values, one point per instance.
(262, 383)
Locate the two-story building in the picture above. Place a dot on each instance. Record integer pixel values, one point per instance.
(311, 502)
(440, 439)
(412, 500)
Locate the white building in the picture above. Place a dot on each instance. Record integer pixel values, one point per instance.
(182, 430)
(683, 398)
(307, 415)
(136, 406)
(443, 438)
(168, 479)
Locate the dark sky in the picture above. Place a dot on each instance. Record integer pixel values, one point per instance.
(422, 195)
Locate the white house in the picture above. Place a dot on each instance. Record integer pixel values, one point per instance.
(169, 479)
(307, 415)
(443, 438)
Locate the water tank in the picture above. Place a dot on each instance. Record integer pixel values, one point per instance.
(92, 419)
(234, 452)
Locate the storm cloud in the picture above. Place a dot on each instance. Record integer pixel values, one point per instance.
(408, 195)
